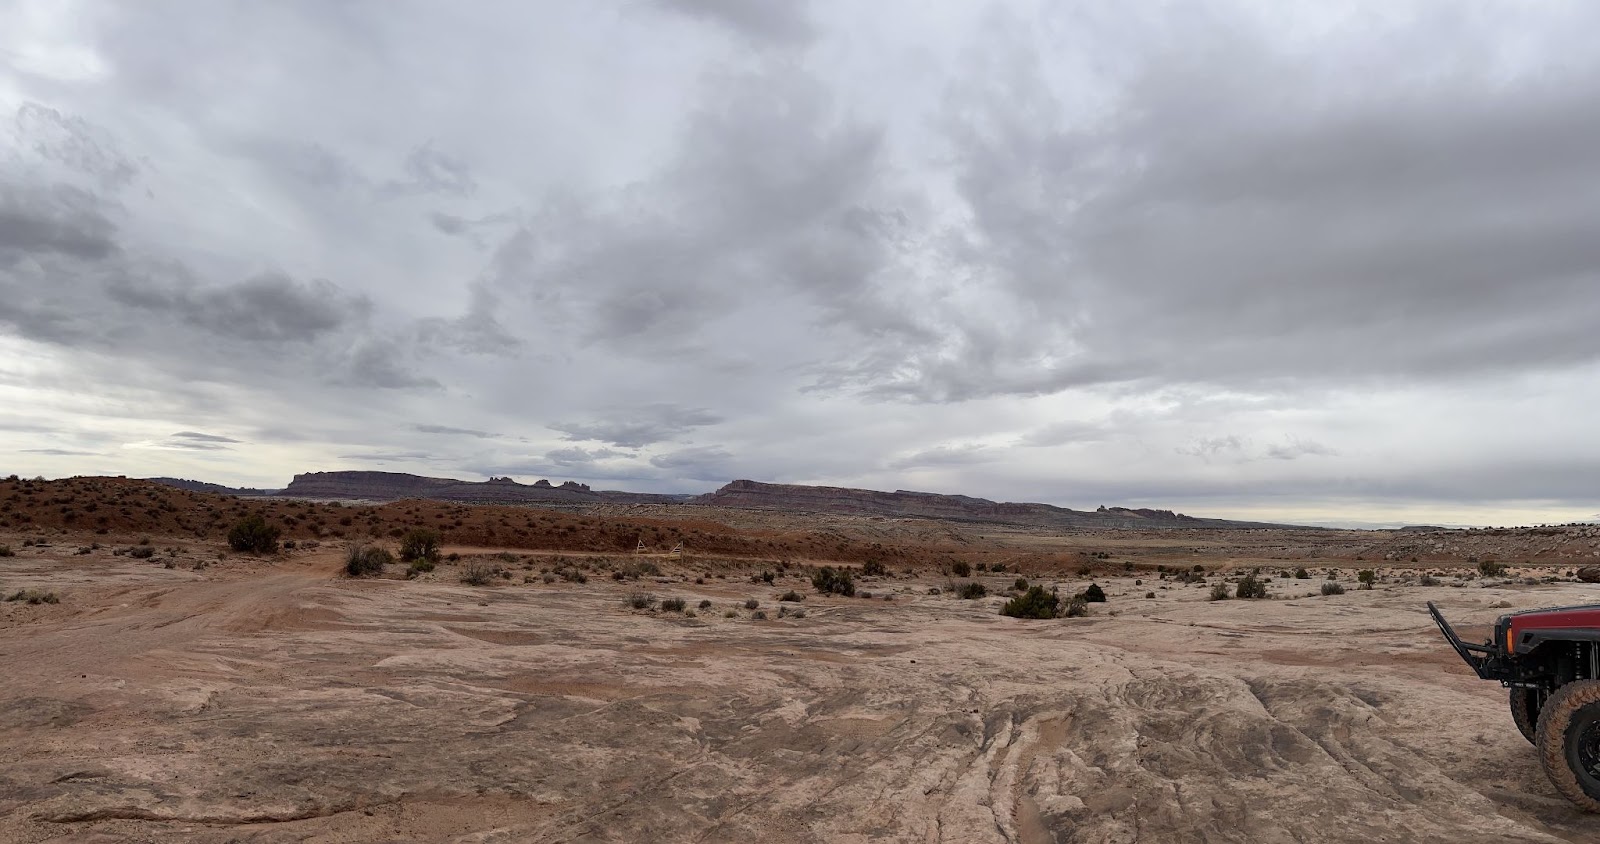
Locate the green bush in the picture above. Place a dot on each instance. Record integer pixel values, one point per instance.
(1034, 603)
(34, 596)
(1020, 584)
(1094, 594)
(364, 560)
(1219, 592)
(973, 590)
(1490, 568)
(253, 535)
(1251, 586)
(1331, 587)
(1367, 578)
(828, 580)
(419, 567)
(874, 568)
(419, 544)
(767, 577)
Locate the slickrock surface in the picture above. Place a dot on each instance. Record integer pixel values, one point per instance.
(274, 701)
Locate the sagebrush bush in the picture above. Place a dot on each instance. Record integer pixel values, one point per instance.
(364, 560)
(641, 600)
(253, 535)
(478, 574)
(34, 596)
(1020, 584)
(419, 566)
(1094, 594)
(141, 552)
(828, 580)
(1251, 586)
(1367, 578)
(973, 590)
(1302, 574)
(1332, 587)
(419, 543)
(961, 569)
(705, 604)
(874, 568)
(751, 603)
(1077, 607)
(1219, 592)
(672, 605)
(1428, 580)
(1490, 568)
(5, 551)
(1034, 603)
(790, 595)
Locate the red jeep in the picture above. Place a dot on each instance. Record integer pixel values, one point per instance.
(1550, 660)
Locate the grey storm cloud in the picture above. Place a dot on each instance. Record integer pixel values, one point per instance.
(446, 429)
(1018, 246)
(197, 436)
(768, 21)
(644, 427)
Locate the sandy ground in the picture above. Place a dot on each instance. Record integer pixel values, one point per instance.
(278, 702)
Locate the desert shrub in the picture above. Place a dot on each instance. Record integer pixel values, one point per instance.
(751, 603)
(1094, 594)
(866, 596)
(1034, 603)
(364, 560)
(641, 600)
(998, 568)
(1427, 580)
(1490, 568)
(767, 577)
(874, 568)
(419, 566)
(672, 605)
(961, 569)
(5, 551)
(1251, 586)
(828, 580)
(477, 574)
(730, 613)
(253, 535)
(549, 577)
(419, 544)
(1219, 592)
(1020, 584)
(758, 615)
(1367, 578)
(572, 575)
(972, 590)
(1077, 607)
(705, 604)
(1149, 594)
(1302, 574)
(797, 612)
(141, 552)
(34, 596)
(1332, 587)
(933, 590)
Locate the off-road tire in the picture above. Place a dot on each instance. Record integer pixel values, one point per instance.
(1569, 742)
(1525, 712)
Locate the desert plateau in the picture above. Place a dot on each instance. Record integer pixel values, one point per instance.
(156, 686)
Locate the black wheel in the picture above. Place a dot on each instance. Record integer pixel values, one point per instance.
(1569, 742)
(1525, 704)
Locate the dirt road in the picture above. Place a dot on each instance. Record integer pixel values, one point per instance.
(277, 703)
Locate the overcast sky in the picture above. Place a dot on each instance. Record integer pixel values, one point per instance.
(1253, 259)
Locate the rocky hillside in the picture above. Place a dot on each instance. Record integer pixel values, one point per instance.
(214, 489)
(394, 486)
(927, 505)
